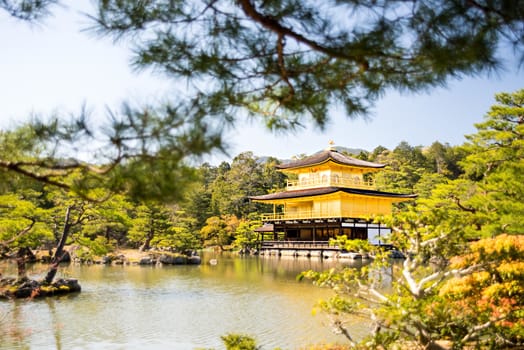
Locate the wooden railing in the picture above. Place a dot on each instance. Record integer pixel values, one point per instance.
(296, 245)
(330, 181)
(311, 215)
(300, 215)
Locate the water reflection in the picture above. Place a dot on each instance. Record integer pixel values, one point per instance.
(177, 307)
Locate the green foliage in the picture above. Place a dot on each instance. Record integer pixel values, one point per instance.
(219, 231)
(406, 165)
(351, 245)
(97, 246)
(19, 145)
(22, 224)
(448, 288)
(239, 342)
(179, 238)
(245, 236)
(151, 220)
(444, 159)
(197, 200)
(247, 176)
(427, 183)
(417, 169)
(110, 219)
(481, 180)
(496, 164)
(489, 196)
(118, 218)
(474, 298)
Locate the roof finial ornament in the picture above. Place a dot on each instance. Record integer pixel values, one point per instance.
(332, 146)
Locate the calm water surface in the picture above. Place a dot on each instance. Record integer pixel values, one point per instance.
(174, 307)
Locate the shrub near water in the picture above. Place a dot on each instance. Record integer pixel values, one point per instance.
(475, 299)
(239, 342)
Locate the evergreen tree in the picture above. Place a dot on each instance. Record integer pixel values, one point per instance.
(151, 220)
(444, 159)
(219, 231)
(244, 178)
(23, 226)
(494, 167)
(110, 220)
(405, 166)
(197, 202)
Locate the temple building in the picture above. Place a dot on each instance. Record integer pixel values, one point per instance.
(332, 194)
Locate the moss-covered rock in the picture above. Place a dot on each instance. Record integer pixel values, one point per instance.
(25, 288)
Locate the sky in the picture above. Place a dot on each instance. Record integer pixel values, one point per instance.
(57, 66)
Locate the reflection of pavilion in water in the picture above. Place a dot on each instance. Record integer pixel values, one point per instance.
(332, 195)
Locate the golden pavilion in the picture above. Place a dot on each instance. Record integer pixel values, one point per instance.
(332, 194)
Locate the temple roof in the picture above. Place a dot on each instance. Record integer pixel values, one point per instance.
(328, 190)
(327, 155)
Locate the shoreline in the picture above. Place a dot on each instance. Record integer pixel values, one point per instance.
(123, 257)
(22, 287)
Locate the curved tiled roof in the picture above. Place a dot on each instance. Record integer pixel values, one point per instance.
(328, 190)
(326, 155)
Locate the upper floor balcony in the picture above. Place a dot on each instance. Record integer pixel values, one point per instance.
(333, 180)
(315, 214)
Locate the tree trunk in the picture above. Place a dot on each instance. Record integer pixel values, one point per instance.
(23, 256)
(20, 263)
(147, 242)
(59, 253)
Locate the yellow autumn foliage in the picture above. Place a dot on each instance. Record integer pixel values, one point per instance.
(511, 246)
(494, 290)
(511, 270)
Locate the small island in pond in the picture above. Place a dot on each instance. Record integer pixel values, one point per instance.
(24, 287)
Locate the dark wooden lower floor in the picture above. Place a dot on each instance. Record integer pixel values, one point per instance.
(322, 230)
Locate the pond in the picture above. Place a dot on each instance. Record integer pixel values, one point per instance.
(175, 307)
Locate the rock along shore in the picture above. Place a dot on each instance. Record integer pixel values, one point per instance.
(11, 288)
(134, 257)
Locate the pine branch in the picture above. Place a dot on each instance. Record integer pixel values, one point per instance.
(16, 167)
(269, 23)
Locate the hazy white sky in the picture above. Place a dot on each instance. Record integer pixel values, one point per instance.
(57, 67)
